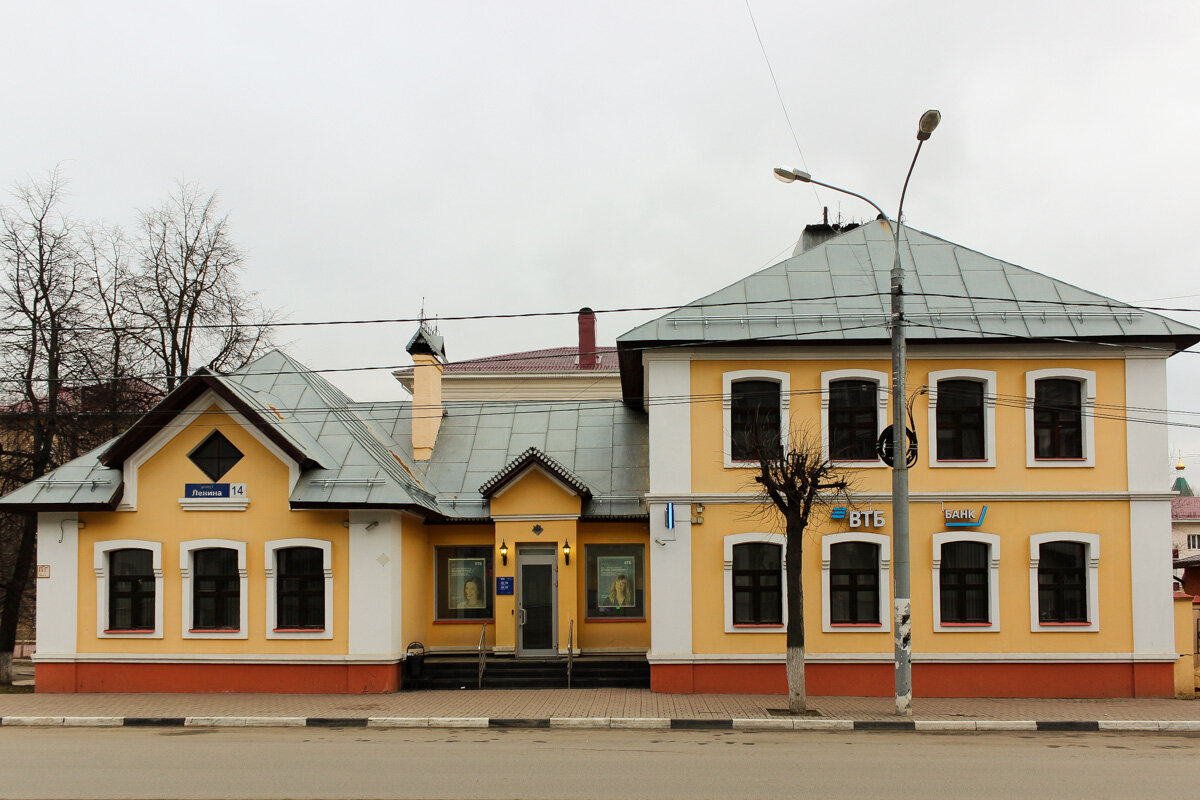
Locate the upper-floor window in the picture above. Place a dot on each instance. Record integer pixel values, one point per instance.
(754, 404)
(131, 590)
(754, 418)
(757, 584)
(854, 583)
(960, 421)
(216, 589)
(1193, 541)
(853, 420)
(300, 588)
(1058, 419)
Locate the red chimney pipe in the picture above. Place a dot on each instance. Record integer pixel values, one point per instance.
(587, 338)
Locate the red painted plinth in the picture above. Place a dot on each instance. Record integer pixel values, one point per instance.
(997, 679)
(264, 678)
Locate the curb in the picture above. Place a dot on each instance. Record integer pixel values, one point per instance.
(616, 723)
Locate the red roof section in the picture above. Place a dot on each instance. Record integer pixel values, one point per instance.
(550, 359)
(1185, 508)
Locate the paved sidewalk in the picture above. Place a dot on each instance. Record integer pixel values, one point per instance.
(528, 704)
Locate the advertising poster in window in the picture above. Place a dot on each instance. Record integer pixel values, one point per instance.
(616, 577)
(466, 581)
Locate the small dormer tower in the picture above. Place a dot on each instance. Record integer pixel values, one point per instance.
(429, 358)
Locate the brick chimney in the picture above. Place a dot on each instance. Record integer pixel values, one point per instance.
(587, 339)
(429, 357)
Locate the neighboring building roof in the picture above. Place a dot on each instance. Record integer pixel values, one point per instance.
(1184, 563)
(839, 292)
(1185, 508)
(550, 360)
(531, 457)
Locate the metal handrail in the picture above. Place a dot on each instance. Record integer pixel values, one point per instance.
(482, 656)
(570, 651)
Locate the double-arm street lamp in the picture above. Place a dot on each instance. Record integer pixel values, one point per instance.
(902, 622)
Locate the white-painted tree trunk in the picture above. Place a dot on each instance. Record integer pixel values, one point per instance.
(797, 696)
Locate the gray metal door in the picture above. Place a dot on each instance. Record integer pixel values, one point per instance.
(537, 601)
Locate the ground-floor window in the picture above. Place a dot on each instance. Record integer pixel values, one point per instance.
(216, 589)
(757, 584)
(1062, 582)
(299, 588)
(463, 583)
(854, 583)
(616, 581)
(964, 583)
(131, 590)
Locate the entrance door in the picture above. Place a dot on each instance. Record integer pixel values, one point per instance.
(537, 607)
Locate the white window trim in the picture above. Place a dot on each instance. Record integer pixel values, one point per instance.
(100, 564)
(881, 417)
(186, 552)
(1091, 557)
(1088, 408)
(1192, 541)
(734, 539)
(326, 548)
(988, 379)
(993, 543)
(885, 582)
(784, 380)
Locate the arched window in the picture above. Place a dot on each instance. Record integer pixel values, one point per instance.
(216, 590)
(1062, 582)
(300, 589)
(131, 590)
(853, 420)
(960, 421)
(757, 584)
(854, 583)
(1058, 419)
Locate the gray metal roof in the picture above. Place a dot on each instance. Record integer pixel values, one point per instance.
(839, 291)
(359, 454)
(603, 443)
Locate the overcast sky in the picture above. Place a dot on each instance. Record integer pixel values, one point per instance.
(522, 156)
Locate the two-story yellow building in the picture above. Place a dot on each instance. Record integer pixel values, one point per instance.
(260, 531)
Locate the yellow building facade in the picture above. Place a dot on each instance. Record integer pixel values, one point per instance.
(260, 531)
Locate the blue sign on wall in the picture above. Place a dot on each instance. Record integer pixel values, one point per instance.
(213, 490)
(504, 585)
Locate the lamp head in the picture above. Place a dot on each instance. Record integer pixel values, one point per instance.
(929, 121)
(790, 175)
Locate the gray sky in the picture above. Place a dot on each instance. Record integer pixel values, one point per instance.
(525, 156)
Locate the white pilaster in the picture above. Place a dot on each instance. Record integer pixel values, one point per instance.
(374, 584)
(58, 595)
(669, 386)
(1149, 520)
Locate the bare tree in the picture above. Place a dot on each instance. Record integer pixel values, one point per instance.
(44, 302)
(189, 300)
(801, 485)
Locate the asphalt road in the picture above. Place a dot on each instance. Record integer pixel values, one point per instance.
(361, 763)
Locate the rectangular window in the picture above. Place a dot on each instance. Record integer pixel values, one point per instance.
(757, 584)
(1193, 541)
(131, 590)
(960, 421)
(616, 581)
(854, 583)
(964, 578)
(1062, 582)
(216, 596)
(1058, 419)
(299, 588)
(754, 416)
(464, 582)
(853, 420)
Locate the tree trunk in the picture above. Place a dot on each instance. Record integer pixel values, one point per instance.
(10, 614)
(797, 694)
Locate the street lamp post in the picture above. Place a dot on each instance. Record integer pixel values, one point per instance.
(902, 622)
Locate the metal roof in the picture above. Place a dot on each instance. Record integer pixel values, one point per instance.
(528, 458)
(840, 290)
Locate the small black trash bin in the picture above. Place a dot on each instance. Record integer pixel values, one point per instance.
(414, 661)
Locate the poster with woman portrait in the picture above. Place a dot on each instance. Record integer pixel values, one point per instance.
(466, 582)
(616, 580)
